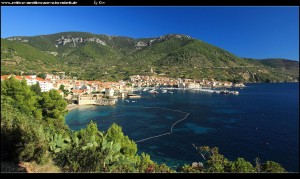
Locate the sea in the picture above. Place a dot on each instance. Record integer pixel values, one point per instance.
(261, 121)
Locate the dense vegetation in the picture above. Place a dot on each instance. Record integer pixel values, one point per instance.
(33, 130)
(284, 65)
(170, 55)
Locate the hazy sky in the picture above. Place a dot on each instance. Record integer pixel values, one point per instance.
(256, 32)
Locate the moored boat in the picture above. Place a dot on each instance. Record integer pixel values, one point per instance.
(164, 91)
(153, 92)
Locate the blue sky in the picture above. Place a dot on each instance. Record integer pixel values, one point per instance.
(256, 32)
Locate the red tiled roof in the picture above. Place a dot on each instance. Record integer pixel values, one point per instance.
(8, 76)
(19, 77)
(29, 77)
(4, 77)
(40, 79)
(77, 91)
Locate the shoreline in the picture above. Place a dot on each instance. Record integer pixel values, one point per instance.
(72, 106)
(75, 106)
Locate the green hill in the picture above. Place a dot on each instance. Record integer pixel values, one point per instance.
(284, 64)
(18, 56)
(92, 56)
(287, 69)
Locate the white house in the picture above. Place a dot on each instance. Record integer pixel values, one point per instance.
(193, 85)
(109, 92)
(85, 88)
(31, 80)
(45, 85)
(94, 88)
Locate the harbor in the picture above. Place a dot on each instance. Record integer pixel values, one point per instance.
(158, 90)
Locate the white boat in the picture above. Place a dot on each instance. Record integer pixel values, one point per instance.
(207, 90)
(170, 92)
(217, 91)
(153, 92)
(133, 96)
(235, 92)
(164, 91)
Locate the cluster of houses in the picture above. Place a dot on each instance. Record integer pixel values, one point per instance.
(31, 80)
(146, 81)
(75, 87)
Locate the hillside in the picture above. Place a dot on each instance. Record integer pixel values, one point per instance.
(283, 64)
(92, 56)
(18, 56)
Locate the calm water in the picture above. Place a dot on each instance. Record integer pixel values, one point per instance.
(262, 121)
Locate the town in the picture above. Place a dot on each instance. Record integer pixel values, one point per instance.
(105, 93)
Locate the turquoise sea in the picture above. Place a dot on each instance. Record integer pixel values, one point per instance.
(262, 121)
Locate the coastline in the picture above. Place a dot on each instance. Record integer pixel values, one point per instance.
(272, 82)
(75, 106)
(72, 106)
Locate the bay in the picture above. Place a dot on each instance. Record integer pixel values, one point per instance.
(262, 121)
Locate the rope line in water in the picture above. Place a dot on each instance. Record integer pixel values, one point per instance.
(167, 133)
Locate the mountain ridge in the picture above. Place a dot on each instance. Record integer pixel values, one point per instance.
(96, 56)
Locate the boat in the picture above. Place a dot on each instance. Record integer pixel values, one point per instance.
(217, 91)
(224, 92)
(164, 91)
(133, 96)
(235, 92)
(153, 92)
(170, 92)
(207, 90)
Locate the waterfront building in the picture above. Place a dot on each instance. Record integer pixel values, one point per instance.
(109, 92)
(96, 99)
